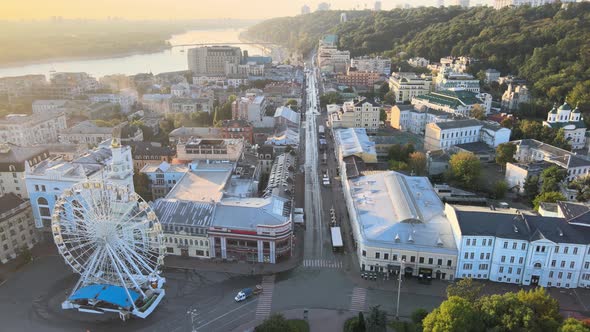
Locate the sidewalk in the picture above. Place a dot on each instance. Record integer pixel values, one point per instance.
(239, 267)
(320, 320)
(44, 248)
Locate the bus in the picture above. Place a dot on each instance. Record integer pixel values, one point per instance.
(336, 238)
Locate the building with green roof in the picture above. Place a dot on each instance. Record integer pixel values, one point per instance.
(572, 123)
(458, 102)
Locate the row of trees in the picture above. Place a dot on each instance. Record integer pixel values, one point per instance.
(467, 309)
(405, 158)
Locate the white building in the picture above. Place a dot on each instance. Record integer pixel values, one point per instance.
(17, 227)
(448, 79)
(355, 142)
(51, 105)
(492, 75)
(398, 224)
(457, 101)
(514, 96)
(572, 123)
(252, 108)
(285, 116)
(47, 180)
(418, 62)
(330, 59)
(362, 114)
(406, 86)
(444, 135)
(159, 103)
(86, 132)
(407, 118)
(505, 245)
(27, 130)
(372, 64)
(377, 6)
(516, 3)
(125, 98)
(212, 60)
(15, 161)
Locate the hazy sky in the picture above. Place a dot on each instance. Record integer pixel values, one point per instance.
(175, 9)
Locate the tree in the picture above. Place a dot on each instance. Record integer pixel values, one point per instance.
(382, 115)
(377, 320)
(25, 254)
(398, 166)
(551, 178)
(330, 98)
(573, 325)
(453, 315)
(417, 163)
(548, 197)
(383, 90)
(546, 315)
(465, 168)
(499, 189)
(360, 323)
(507, 123)
(141, 183)
(466, 288)
(389, 98)
(582, 187)
(274, 323)
(505, 154)
(531, 187)
(478, 112)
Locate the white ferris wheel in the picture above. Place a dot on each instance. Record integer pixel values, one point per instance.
(113, 239)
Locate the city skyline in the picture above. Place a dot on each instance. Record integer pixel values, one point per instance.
(160, 9)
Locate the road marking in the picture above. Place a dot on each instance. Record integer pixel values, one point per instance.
(322, 263)
(265, 299)
(357, 302)
(227, 313)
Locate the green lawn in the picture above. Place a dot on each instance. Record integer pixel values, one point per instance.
(298, 325)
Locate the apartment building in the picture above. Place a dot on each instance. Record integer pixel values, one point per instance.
(406, 86)
(14, 163)
(17, 227)
(372, 64)
(361, 114)
(213, 60)
(27, 130)
(444, 135)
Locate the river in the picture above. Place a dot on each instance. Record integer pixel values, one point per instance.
(173, 59)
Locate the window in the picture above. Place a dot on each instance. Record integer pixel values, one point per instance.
(511, 259)
(562, 264)
(572, 264)
(565, 250)
(449, 262)
(559, 275)
(413, 259)
(575, 250)
(569, 275)
(394, 257)
(430, 261)
(505, 244)
(421, 260)
(403, 257)
(364, 253)
(518, 270)
(520, 260)
(483, 242)
(509, 270)
(466, 255)
(586, 265)
(503, 259)
(170, 250)
(513, 245)
(523, 246)
(488, 255)
(439, 262)
(553, 263)
(551, 274)
(474, 242)
(468, 242)
(557, 249)
(472, 256)
(501, 270)
(481, 255)
(377, 255)
(386, 256)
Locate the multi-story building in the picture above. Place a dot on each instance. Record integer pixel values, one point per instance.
(444, 135)
(47, 180)
(330, 59)
(44, 106)
(456, 64)
(191, 105)
(163, 177)
(571, 122)
(514, 96)
(406, 86)
(507, 245)
(355, 142)
(458, 102)
(27, 130)
(237, 129)
(159, 103)
(516, 3)
(26, 86)
(210, 149)
(213, 60)
(462, 3)
(377, 6)
(530, 152)
(362, 114)
(17, 227)
(87, 132)
(491, 75)
(252, 108)
(448, 79)
(185, 134)
(69, 85)
(407, 118)
(398, 225)
(355, 77)
(14, 162)
(418, 62)
(149, 153)
(372, 64)
(286, 117)
(125, 98)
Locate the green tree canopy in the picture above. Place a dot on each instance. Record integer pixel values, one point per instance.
(478, 112)
(466, 288)
(505, 153)
(453, 315)
(551, 178)
(417, 163)
(465, 168)
(548, 197)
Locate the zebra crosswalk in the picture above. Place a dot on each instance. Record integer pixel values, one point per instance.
(265, 299)
(357, 301)
(322, 263)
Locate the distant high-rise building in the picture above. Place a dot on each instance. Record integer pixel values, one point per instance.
(440, 3)
(323, 6)
(305, 10)
(515, 3)
(377, 6)
(462, 3)
(213, 60)
(342, 17)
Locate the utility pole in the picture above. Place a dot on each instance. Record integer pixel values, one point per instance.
(399, 287)
(193, 313)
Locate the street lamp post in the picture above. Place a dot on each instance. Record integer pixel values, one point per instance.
(399, 287)
(193, 313)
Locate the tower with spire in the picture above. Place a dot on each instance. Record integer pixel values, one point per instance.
(572, 123)
(120, 169)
